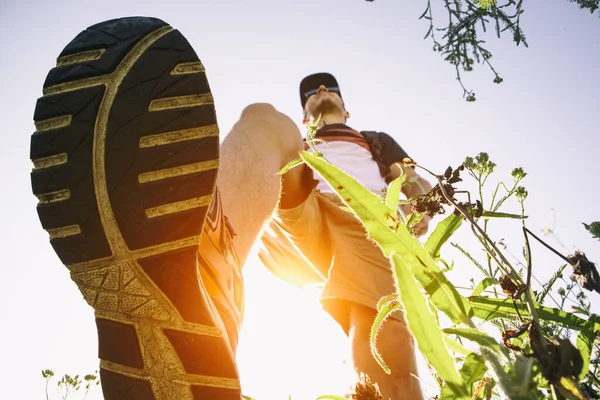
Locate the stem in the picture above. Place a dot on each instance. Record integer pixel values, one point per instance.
(533, 313)
(548, 246)
(489, 252)
(507, 196)
(494, 197)
(553, 391)
(528, 254)
(486, 241)
(533, 277)
(485, 222)
(594, 375)
(474, 224)
(480, 188)
(549, 294)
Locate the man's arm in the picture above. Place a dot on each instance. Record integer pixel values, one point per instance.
(392, 153)
(413, 186)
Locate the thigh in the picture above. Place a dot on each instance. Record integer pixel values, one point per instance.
(256, 148)
(300, 234)
(360, 273)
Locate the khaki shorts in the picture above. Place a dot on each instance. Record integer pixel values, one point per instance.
(318, 243)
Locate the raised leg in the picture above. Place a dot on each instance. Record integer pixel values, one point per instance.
(258, 146)
(126, 155)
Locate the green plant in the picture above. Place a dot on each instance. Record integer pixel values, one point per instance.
(534, 358)
(69, 385)
(594, 229)
(461, 44)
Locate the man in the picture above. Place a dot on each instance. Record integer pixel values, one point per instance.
(126, 154)
(311, 240)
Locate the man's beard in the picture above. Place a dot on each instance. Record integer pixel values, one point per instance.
(325, 106)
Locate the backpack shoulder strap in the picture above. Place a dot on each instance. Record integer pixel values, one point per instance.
(374, 140)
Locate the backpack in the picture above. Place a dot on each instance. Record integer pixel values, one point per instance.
(374, 141)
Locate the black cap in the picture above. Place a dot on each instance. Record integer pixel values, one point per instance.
(314, 81)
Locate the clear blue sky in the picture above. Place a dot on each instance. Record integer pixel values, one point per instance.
(544, 117)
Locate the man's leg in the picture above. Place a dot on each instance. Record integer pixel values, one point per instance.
(125, 158)
(359, 277)
(258, 146)
(395, 345)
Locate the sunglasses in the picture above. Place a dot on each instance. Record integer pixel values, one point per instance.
(333, 89)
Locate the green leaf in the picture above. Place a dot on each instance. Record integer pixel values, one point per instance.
(492, 214)
(585, 343)
(478, 337)
(392, 197)
(387, 299)
(412, 199)
(375, 215)
(447, 267)
(443, 294)
(548, 286)
(410, 260)
(456, 347)
(501, 369)
(443, 231)
(384, 310)
(571, 389)
(413, 219)
(428, 32)
(471, 258)
(593, 228)
(488, 308)
(423, 325)
(524, 379)
(290, 165)
(484, 284)
(472, 370)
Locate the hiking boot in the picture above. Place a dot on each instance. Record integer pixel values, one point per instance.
(125, 157)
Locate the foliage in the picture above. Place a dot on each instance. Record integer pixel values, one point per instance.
(594, 229)
(534, 358)
(459, 39)
(69, 385)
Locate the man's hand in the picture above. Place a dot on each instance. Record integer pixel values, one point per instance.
(414, 186)
(422, 226)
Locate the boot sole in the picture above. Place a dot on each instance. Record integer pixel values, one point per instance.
(125, 157)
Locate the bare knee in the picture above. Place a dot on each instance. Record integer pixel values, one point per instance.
(266, 112)
(267, 125)
(259, 109)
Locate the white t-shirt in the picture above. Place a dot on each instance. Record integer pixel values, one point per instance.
(354, 160)
(350, 151)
